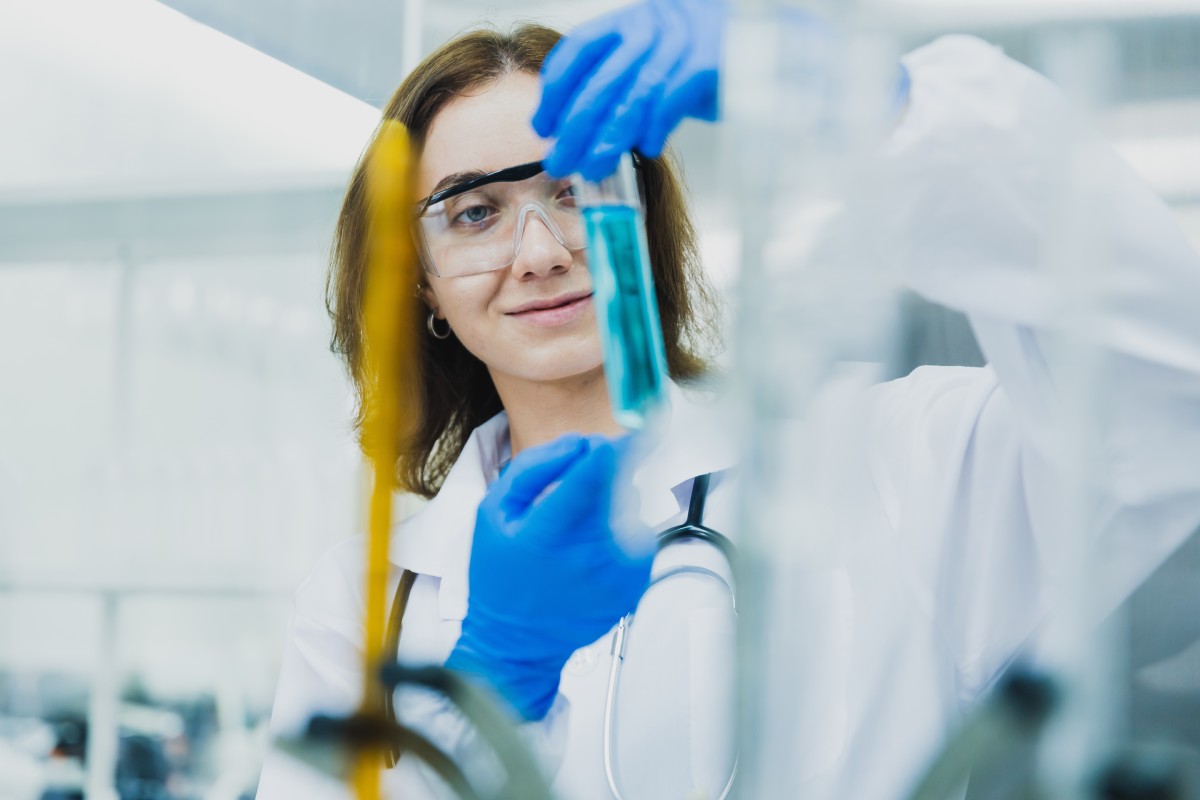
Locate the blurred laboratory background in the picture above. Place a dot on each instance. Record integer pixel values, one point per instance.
(175, 441)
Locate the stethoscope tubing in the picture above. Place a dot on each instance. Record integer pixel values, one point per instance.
(614, 674)
(692, 528)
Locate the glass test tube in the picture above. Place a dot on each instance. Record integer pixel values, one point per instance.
(619, 261)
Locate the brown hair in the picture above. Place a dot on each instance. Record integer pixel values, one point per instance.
(455, 393)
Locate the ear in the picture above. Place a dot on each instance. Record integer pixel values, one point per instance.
(429, 297)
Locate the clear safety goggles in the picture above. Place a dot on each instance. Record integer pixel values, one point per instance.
(478, 225)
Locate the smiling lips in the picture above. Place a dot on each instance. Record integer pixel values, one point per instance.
(554, 311)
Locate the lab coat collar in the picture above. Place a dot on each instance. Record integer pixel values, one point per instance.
(695, 438)
(692, 439)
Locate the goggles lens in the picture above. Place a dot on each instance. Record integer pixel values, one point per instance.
(479, 226)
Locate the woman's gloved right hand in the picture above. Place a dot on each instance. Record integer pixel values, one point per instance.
(546, 575)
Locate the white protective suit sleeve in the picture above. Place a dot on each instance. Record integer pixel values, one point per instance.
(321, 673)
(972, 187)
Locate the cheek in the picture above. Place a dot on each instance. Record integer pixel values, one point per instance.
(466, 297)
(464, 303)
(464, 311)
(506, 347)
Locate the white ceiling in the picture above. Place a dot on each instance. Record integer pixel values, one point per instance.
(133, 98)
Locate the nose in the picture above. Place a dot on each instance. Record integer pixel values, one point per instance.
(537, 250)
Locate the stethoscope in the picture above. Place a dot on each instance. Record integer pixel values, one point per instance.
(691, 528)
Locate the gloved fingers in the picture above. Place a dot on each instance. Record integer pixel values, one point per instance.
(597, 98)
(628, 121)
(679, 101)
(598, 167)
(692, 88)
(618, 136)
(578, 508)
(632, 539)
(634, 545)
(567, 66)
(627, 446)
(637, 570)
(532, 471)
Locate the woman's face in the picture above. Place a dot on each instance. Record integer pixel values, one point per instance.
(486, 131)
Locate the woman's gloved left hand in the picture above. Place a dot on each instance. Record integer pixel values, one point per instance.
(627, 79)
(546, 575)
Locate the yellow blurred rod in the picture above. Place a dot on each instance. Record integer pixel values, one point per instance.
(388, 358)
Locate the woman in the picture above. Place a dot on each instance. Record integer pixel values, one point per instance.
(956, 482)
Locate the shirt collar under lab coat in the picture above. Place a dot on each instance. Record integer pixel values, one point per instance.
(695, 440)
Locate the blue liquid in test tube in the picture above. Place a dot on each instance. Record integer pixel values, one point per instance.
(630, 329)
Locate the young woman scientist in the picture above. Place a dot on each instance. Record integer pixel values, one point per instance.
(957, 479)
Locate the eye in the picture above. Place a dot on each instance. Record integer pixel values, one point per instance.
(566, 195)
(472, 215)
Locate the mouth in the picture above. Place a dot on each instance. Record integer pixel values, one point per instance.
(553, 311)
(554, 302)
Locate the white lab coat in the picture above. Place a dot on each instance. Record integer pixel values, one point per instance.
(956, 488)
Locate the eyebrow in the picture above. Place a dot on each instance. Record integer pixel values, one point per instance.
(455, 178)
(460, 182)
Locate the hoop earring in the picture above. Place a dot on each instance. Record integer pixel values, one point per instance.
(433, 330)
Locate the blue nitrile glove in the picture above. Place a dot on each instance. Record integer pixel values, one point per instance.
(546, 576)
(626, 80)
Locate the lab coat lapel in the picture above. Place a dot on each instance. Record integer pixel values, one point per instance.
(437, 539)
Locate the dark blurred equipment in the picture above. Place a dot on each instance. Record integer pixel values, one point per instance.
(1013, 717)
(142, 769)
(1142, 774)
(331, 744)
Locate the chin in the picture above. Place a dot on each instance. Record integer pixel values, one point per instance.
(561, 372)
(560, 364)
(544, 359)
